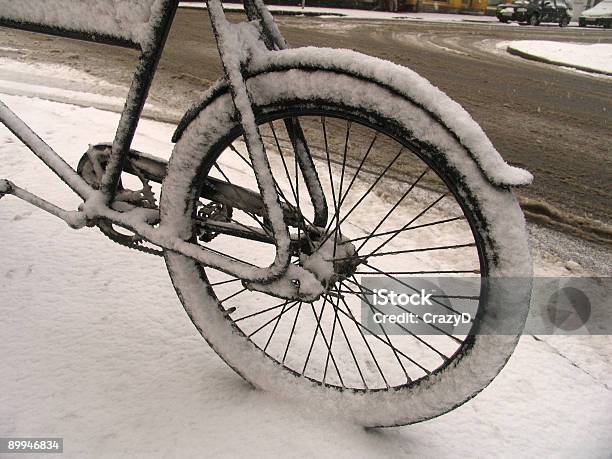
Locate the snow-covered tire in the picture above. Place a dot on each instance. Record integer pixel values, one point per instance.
(495, 212)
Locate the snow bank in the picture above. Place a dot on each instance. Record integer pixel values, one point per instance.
(601, 9)
(127, 19)
(588, 57)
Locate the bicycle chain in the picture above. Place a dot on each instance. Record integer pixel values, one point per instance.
(133, 242)
(144, 197)
(134, 245)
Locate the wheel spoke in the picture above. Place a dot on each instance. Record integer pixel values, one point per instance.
(373, 334)
(314, 337)
(407, 273)
(233, 295)
(365, 156)
(366, 193)
(348, 343)
(331, 178)
(295, 191)
(297, 314)
(393, 348)
(275, 327)
(423, 249)
(357, 325)
(365, 357)
(282, 157)
(337, 216)
(284, 311)
(395, 206)
(410, 312)
(374, 308)
(297, 176)
(329, 351)
(271, 308)
(331, 342)
(407, 225)
(214, 284)
(406, 228)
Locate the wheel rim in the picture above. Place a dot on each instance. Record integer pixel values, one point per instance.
(331, 316)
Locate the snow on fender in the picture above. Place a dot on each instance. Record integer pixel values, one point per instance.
(401, 80)
(415, 88)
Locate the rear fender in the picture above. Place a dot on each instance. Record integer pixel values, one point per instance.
(398, 80)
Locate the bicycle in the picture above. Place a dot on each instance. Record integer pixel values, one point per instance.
(330, 139)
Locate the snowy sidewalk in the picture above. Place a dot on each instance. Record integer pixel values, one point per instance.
(358, 14)
(97, 349)
(594, 58)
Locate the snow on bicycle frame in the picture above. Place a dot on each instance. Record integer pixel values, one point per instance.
(248, 46)
(122, 22)
(287, 85)
(145, 25)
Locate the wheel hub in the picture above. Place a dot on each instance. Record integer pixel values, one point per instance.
(333, 260)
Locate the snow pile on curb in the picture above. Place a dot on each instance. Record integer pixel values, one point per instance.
(596, 58)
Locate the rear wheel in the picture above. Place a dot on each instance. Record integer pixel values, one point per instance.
(534, 20)
(564, 21)
(400, 206)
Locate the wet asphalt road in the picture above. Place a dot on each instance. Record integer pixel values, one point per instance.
(555, 122)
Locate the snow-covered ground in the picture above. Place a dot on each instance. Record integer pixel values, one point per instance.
(596, 57)
(358, 14)
(96, 348)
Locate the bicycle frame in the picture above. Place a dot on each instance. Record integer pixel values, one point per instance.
(100, 203)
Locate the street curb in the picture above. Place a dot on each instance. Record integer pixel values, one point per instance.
(532, 57)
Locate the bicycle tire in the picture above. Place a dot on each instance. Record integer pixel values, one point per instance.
(502, 247)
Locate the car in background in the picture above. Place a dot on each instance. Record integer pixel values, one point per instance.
(599, 15)
(535, 12)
